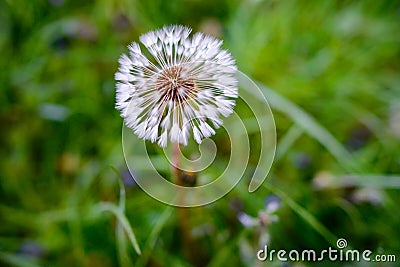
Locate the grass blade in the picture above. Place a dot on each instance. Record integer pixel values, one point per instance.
(106, 206)
(304, 214)
(311, 127)
(14, 260)
(120, 236)
(287, 141)
(151, 241)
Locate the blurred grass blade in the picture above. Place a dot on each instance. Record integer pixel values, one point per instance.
(287, 141)
(122, 194)
(106, 206)
(171, 258)
(310, 126)
(14, 260)
(369, 119)
(122, 247)
(303, 213)
(151, 241)
(228, 250)
(368, 180)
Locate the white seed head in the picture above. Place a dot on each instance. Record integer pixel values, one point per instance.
(185, 83)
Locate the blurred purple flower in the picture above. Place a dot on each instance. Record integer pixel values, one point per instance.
(127, 178)
(31, 249)
(265, 216)
(302, 160)
(272, 203)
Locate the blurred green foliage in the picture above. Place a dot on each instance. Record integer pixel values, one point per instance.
(333, 67)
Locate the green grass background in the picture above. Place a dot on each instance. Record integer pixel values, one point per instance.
(329, 69)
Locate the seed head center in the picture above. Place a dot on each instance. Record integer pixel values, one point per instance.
(174, 86)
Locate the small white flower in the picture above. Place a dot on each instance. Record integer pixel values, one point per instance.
(184, 84)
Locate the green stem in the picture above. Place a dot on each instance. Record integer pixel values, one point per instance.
(182, 212)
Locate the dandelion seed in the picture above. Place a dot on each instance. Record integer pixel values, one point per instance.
(183, 86)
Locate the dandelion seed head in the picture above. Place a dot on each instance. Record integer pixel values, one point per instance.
(176, 87)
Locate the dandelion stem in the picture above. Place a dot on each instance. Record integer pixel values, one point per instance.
(182, 212)
(176, 173)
